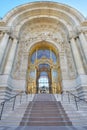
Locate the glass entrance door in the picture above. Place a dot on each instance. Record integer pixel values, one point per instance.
(44, 78)
(43, 84)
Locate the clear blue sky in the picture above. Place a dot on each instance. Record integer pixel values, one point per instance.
(7, 5)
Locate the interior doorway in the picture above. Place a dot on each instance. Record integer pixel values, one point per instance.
(44, 78)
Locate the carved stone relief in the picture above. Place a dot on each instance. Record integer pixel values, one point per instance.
(32, 34)
(70, 63)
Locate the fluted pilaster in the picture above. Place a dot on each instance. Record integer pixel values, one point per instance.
(11, 57)
(83, 44)
(76, 56)
(3, 46)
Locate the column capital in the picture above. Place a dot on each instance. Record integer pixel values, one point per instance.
(5, 30)
(14, 37)
(73, 35)
(81, 29)
(1, 34)
(15, 41)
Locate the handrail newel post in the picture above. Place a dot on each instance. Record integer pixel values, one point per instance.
(2, 110)
(62, 97)
(68, 97)
(14, 103)
(76, 103)
(20, 98)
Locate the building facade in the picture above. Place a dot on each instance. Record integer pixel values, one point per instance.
(43, 45)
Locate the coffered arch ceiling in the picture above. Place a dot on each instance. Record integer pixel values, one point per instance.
(37, 12)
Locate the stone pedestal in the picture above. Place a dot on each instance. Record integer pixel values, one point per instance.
(5, 89)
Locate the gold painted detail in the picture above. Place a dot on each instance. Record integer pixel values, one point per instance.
(53, 71)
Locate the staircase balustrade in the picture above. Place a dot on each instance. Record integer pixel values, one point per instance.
(12, 100)
(77, 99)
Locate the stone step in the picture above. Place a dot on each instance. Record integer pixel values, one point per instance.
(46, 124)
(44, 128)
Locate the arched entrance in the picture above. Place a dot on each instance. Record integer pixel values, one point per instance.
(43, 74)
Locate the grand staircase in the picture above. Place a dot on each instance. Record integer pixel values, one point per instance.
(45, 111)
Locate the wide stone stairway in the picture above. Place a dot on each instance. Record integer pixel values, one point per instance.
(44, 112)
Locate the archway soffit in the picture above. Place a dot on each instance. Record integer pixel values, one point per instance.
(55, 5)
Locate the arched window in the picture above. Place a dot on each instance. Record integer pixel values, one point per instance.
(43, 53)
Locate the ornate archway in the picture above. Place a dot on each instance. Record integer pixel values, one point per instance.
(55, 23)
(43, 73)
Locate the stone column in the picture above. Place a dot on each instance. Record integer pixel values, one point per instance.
(3, 45)
(83, 44)
(77, 58)
(11, 57)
